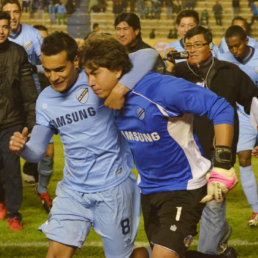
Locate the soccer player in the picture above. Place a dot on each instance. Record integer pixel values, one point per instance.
(239, 21)
(157, 123)
(246, 57)
(228, 81)
(186, 20)
(98, 189)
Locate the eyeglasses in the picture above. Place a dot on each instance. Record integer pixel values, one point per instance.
(195, 46)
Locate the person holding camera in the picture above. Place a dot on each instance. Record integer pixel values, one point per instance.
(226, 80)
(186, 20)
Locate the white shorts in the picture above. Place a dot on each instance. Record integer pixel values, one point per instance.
(248, 136)
(114, 214)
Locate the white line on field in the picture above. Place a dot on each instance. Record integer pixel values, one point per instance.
(99, 244)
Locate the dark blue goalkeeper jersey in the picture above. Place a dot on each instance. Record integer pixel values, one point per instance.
(157, 123)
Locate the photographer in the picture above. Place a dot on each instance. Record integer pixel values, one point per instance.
(228, 81)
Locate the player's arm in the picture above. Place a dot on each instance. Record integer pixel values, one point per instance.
(35, 148)
(143, 62)
(190, 98)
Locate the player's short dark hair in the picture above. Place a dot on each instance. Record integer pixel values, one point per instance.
(199, 30)
(187, 13)
(40, 27)
(5, 2)
(102, 50)
(235, 31)
(5, 16)
(57, 42)
(247, 25)
(131, 18)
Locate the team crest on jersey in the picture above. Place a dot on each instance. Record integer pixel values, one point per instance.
(82, 95)
(140, 113)
(28, 45)
(188, 240)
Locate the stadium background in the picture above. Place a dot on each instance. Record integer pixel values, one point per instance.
(79, 23)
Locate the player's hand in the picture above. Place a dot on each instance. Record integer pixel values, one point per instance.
(18, 141)
(220, 182)
(116, 98)
(255, 152)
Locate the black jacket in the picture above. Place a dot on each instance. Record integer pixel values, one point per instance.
(226, 80)
(159, 66)
(17, 89)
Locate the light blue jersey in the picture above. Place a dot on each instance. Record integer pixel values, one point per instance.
(249, 64)
(223, 47)
(157, 124)
(31, 40)
(178, 45)
(96, 156)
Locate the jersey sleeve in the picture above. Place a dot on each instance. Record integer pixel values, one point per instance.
(182, 96)
(42, 117)
(35, 148)
(143, 62)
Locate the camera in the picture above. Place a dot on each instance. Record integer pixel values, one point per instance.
(172, 55)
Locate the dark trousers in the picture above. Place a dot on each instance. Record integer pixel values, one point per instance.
(10, 174)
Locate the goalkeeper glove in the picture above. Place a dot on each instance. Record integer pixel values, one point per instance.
(222, 178)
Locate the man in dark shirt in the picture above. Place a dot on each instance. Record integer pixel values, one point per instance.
(128, 32)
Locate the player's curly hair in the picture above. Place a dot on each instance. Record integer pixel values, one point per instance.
(103, 50)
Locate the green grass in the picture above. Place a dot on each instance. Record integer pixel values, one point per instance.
(32, 243)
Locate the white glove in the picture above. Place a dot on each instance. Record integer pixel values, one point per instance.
(220, 181)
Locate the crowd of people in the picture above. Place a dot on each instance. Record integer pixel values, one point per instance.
(181, 119)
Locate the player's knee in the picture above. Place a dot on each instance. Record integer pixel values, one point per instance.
(244, 158)
(45, 166)
(50, 150)
(245, 161)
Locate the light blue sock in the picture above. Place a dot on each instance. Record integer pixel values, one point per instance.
(249, 186)
(43, 183)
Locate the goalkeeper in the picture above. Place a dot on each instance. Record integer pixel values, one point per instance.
(157, 123)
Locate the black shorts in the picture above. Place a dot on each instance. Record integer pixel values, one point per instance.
(171, 218)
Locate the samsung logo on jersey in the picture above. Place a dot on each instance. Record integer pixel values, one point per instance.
(141, 137)
(73, 117)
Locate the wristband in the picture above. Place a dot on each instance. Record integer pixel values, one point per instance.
(223, 157)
